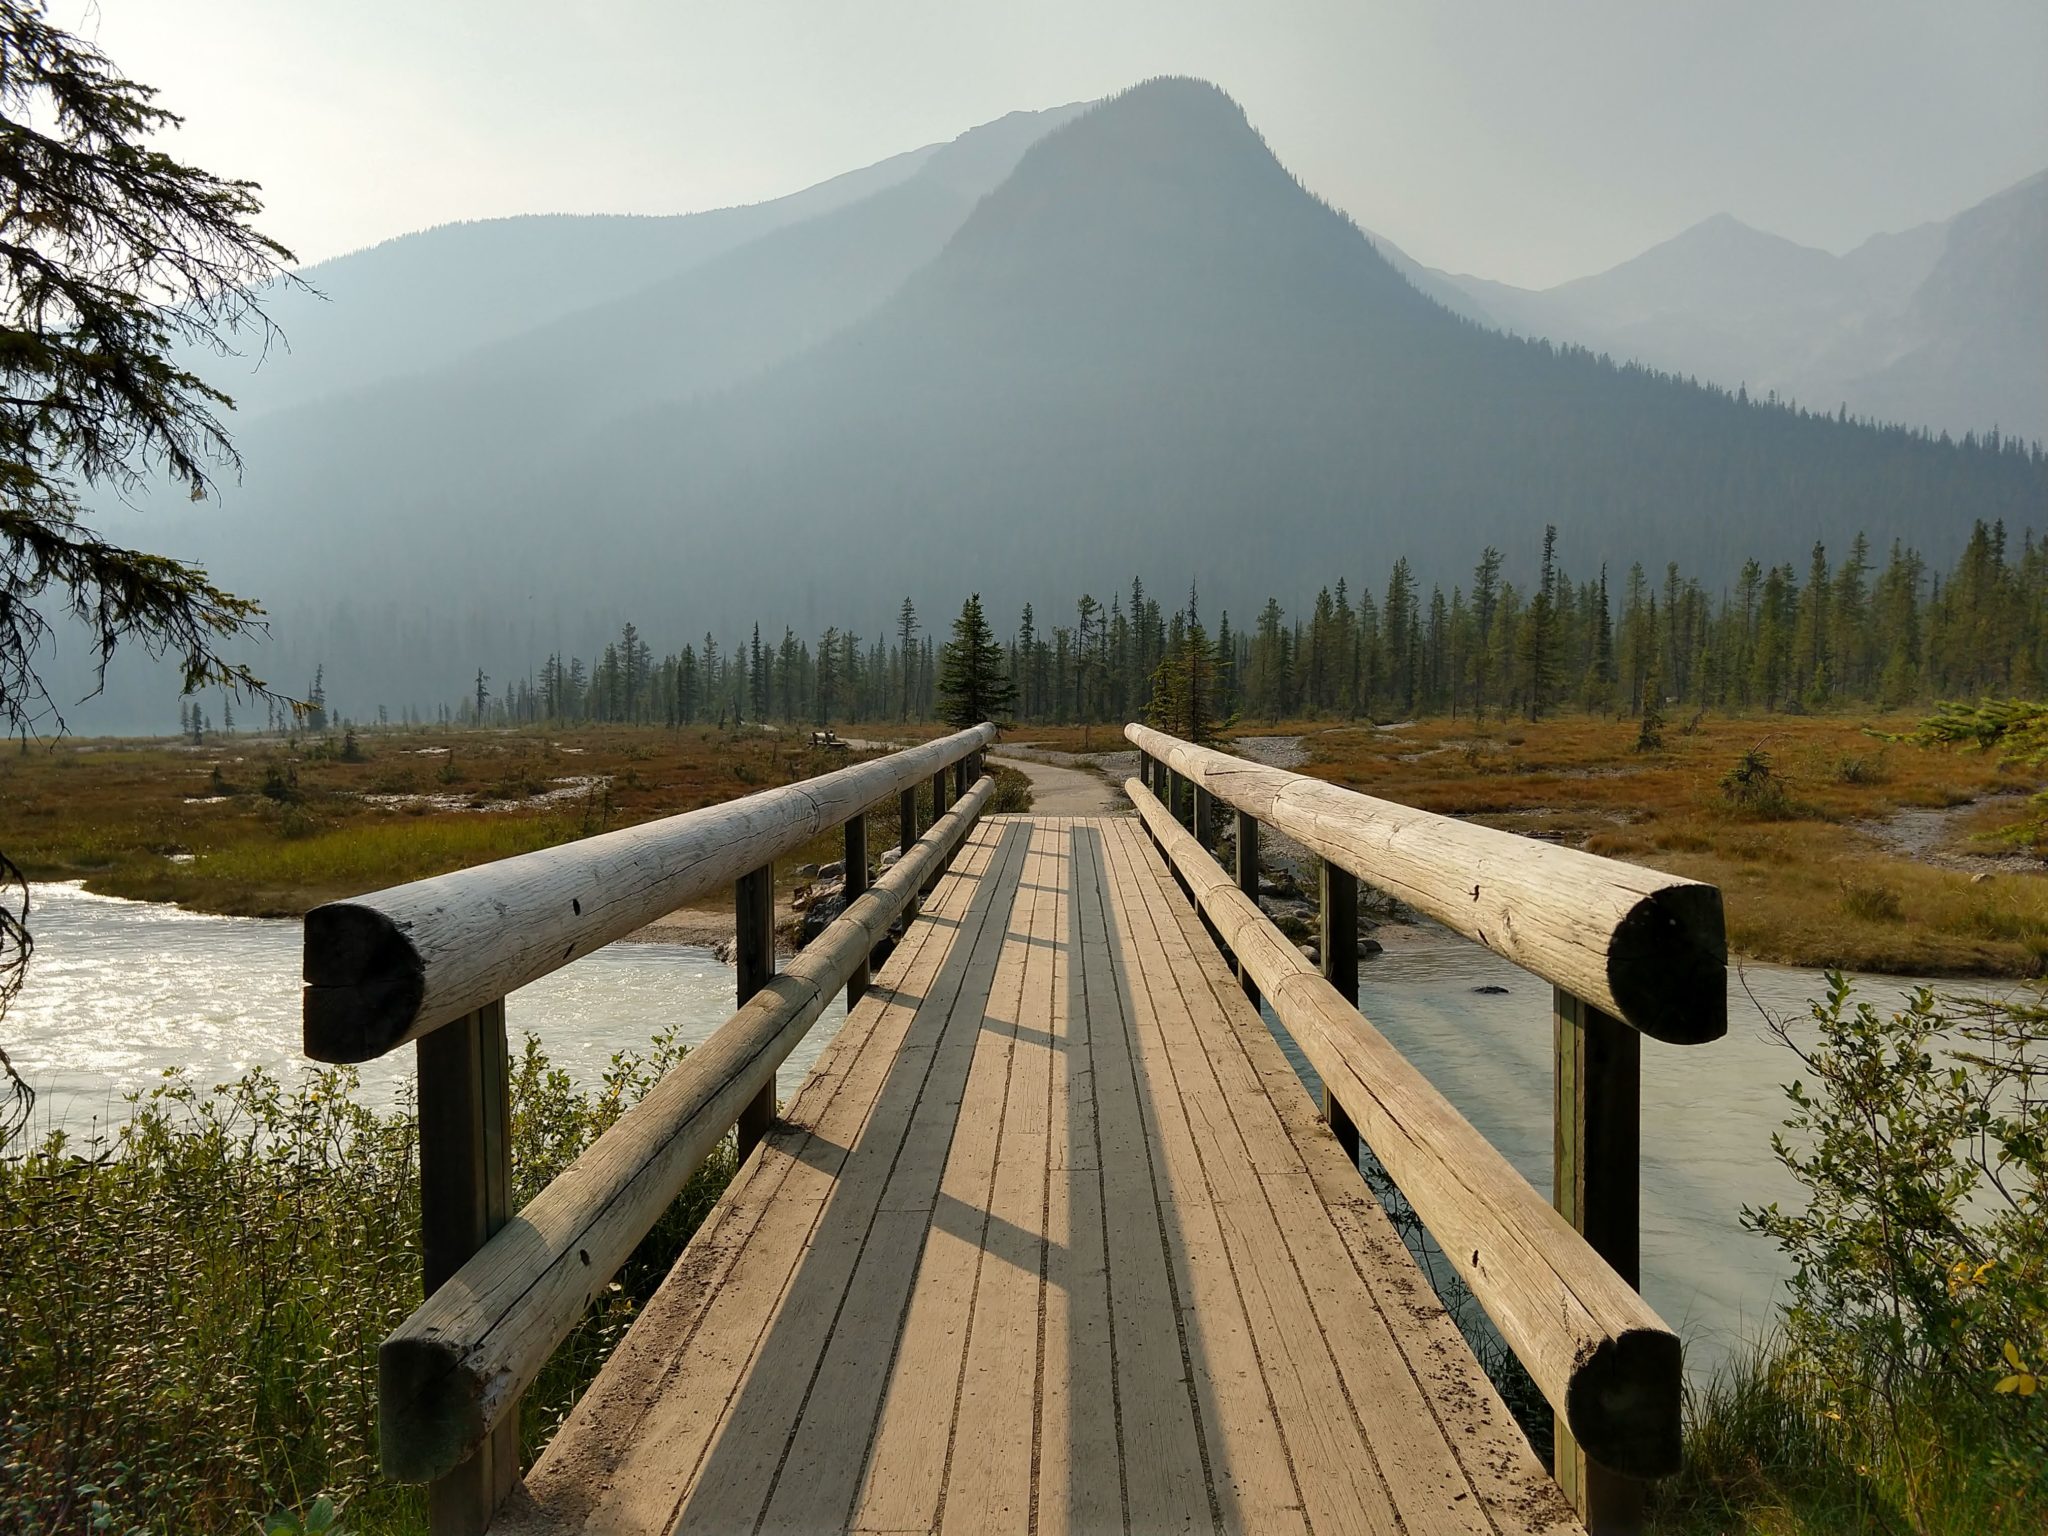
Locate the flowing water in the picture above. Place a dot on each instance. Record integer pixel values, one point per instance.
(120, 990)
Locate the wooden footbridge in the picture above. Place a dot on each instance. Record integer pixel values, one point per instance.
(1052, 1238)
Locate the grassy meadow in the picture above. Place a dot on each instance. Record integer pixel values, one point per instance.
(1796, 818)
(1833, 846)
(270, 826)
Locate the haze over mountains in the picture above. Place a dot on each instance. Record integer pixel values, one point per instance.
(1944, 325)
(1067, 347)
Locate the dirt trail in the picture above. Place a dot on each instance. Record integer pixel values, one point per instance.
(1057, 791)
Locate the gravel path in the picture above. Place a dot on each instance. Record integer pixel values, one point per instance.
(1062, 791)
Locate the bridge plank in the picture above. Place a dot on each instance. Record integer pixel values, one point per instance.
(1332, 1225)
(859, 1272)
(1327, 1456)
(1080, 1473)
(1258, 1485)
(914, 1451)
(996, 1422)
(1050, 1239)
(626, 1455)
(1165, 1480)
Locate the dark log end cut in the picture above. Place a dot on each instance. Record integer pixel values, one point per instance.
(1668, 965)
(1623, 1404)
(364, 983)
(430, 1414)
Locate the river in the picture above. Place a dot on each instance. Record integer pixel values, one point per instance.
(119, 990)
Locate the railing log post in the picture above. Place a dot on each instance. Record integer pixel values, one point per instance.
(1596, 1151)
(465, 1197)
(1248, 882)
(754, 923)
(906, 817)
(856, 882)
(938, 810)
(1337, 942)
(1205, 817)
(1337, 930)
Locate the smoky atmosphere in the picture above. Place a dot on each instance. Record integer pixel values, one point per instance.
(1092, 768)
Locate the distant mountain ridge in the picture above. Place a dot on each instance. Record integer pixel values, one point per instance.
(1064, 349)
(1944, 325)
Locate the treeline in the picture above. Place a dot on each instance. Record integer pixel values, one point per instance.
(1858, 629)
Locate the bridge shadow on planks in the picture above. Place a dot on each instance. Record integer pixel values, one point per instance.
(1050, 1239)
(986, 1323)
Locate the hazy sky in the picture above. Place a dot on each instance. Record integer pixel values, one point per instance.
(1529, 140)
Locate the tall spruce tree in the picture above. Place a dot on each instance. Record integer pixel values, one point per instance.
(973, 686)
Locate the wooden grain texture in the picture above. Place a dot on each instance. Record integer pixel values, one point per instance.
(1403, 1361)
(1600, 1356)
(454, 1369)
(1648, 948)
(386, 968)
(1596, 1155)
(631, 1449)
(1050, 1241)
(465, 1197)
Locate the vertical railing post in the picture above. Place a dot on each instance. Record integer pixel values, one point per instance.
(906, 839)
(960, 779)
(753, 901)
(1248, 882)
(856, 881)
(1337, 942)
(1205, 816)
(938, 810)
(465, 1196)
(1595, 1158)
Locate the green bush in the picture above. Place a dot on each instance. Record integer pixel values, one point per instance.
(1756, 789)
(192, 1311)
(1905, 1391)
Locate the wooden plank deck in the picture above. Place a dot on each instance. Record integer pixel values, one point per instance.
(1050, 1240)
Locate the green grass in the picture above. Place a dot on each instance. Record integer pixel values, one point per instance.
(1770, 1450)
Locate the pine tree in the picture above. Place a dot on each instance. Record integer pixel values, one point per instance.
(906, 651)
(972, 684)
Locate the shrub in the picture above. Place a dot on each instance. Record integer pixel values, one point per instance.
(192, 1312)
(1754, 788)
(1916, 1337)
(1872, 901)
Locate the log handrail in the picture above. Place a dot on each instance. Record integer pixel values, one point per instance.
(1602, 1358)
(1647, 948)
(431, 962)
(452, 1372)
(389, 967)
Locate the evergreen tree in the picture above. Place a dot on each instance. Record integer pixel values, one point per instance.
(972, 684)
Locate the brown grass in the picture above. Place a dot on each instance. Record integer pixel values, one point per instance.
(170, 822)
(1805, 880)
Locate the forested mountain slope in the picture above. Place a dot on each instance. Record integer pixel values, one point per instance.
(1147, 347)
(1151, 337)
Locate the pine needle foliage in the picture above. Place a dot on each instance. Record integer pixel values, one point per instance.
(112, 254)
(974, 684)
